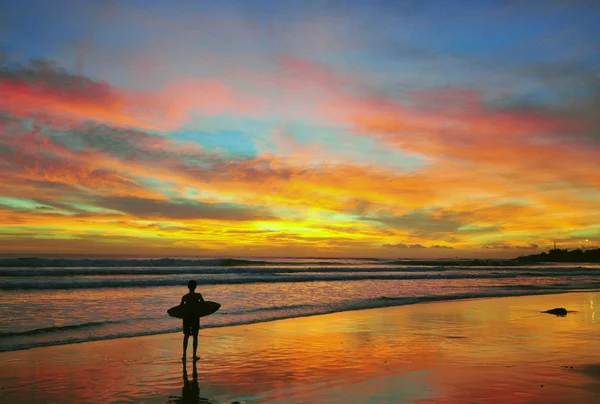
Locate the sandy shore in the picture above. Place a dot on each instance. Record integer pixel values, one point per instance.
(499, 350)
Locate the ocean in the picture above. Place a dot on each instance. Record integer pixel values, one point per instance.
(61, 301)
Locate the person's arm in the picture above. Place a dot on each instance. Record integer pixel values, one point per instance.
(182, 300)
(200, 298)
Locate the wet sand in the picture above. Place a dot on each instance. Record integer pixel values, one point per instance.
(472, 351)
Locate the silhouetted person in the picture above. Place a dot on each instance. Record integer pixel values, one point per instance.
(191, 322)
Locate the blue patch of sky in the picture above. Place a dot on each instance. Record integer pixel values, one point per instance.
(63, 22)
(226, 143)
(24, 25)
(340, 147)
(485, 31)
(475, 28)
(235, 137)
(230, 137)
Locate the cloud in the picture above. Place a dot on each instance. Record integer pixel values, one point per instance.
(417, 246)
(527, 247)
(496, 247)
(32, 160)
(420, 222)
(181, 209)
(42, 87)
(507, 247)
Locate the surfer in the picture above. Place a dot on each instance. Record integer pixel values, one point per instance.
(191, 323)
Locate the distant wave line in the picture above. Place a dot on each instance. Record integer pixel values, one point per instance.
(159, 262)
(28, 262)
(74, 283)
(108, 271)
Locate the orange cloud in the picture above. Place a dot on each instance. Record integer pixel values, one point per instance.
(81, 99)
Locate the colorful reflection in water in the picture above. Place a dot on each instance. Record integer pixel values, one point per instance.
(493, 350)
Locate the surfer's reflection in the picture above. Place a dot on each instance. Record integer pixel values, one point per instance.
(190, 392)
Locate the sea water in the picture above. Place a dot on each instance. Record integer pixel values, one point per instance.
(51, 302)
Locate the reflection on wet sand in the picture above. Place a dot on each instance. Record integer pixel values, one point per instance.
(508, 352)
(190, 392)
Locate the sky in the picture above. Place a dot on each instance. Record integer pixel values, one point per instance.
(400, 129)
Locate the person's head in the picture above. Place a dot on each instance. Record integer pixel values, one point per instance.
(192, 285)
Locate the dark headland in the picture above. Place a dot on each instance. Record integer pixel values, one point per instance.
(558, 255)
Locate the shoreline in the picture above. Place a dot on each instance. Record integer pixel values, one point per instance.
(500, 349)
(383, 303)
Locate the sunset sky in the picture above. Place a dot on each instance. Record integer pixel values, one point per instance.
(299, 128)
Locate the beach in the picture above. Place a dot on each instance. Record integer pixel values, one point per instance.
(493, 350)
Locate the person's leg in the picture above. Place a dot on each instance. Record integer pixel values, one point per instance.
(186, 335)
(185, 344)
(196, 347)
(195, 330)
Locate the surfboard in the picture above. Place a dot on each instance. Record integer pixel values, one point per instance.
(204, 309)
